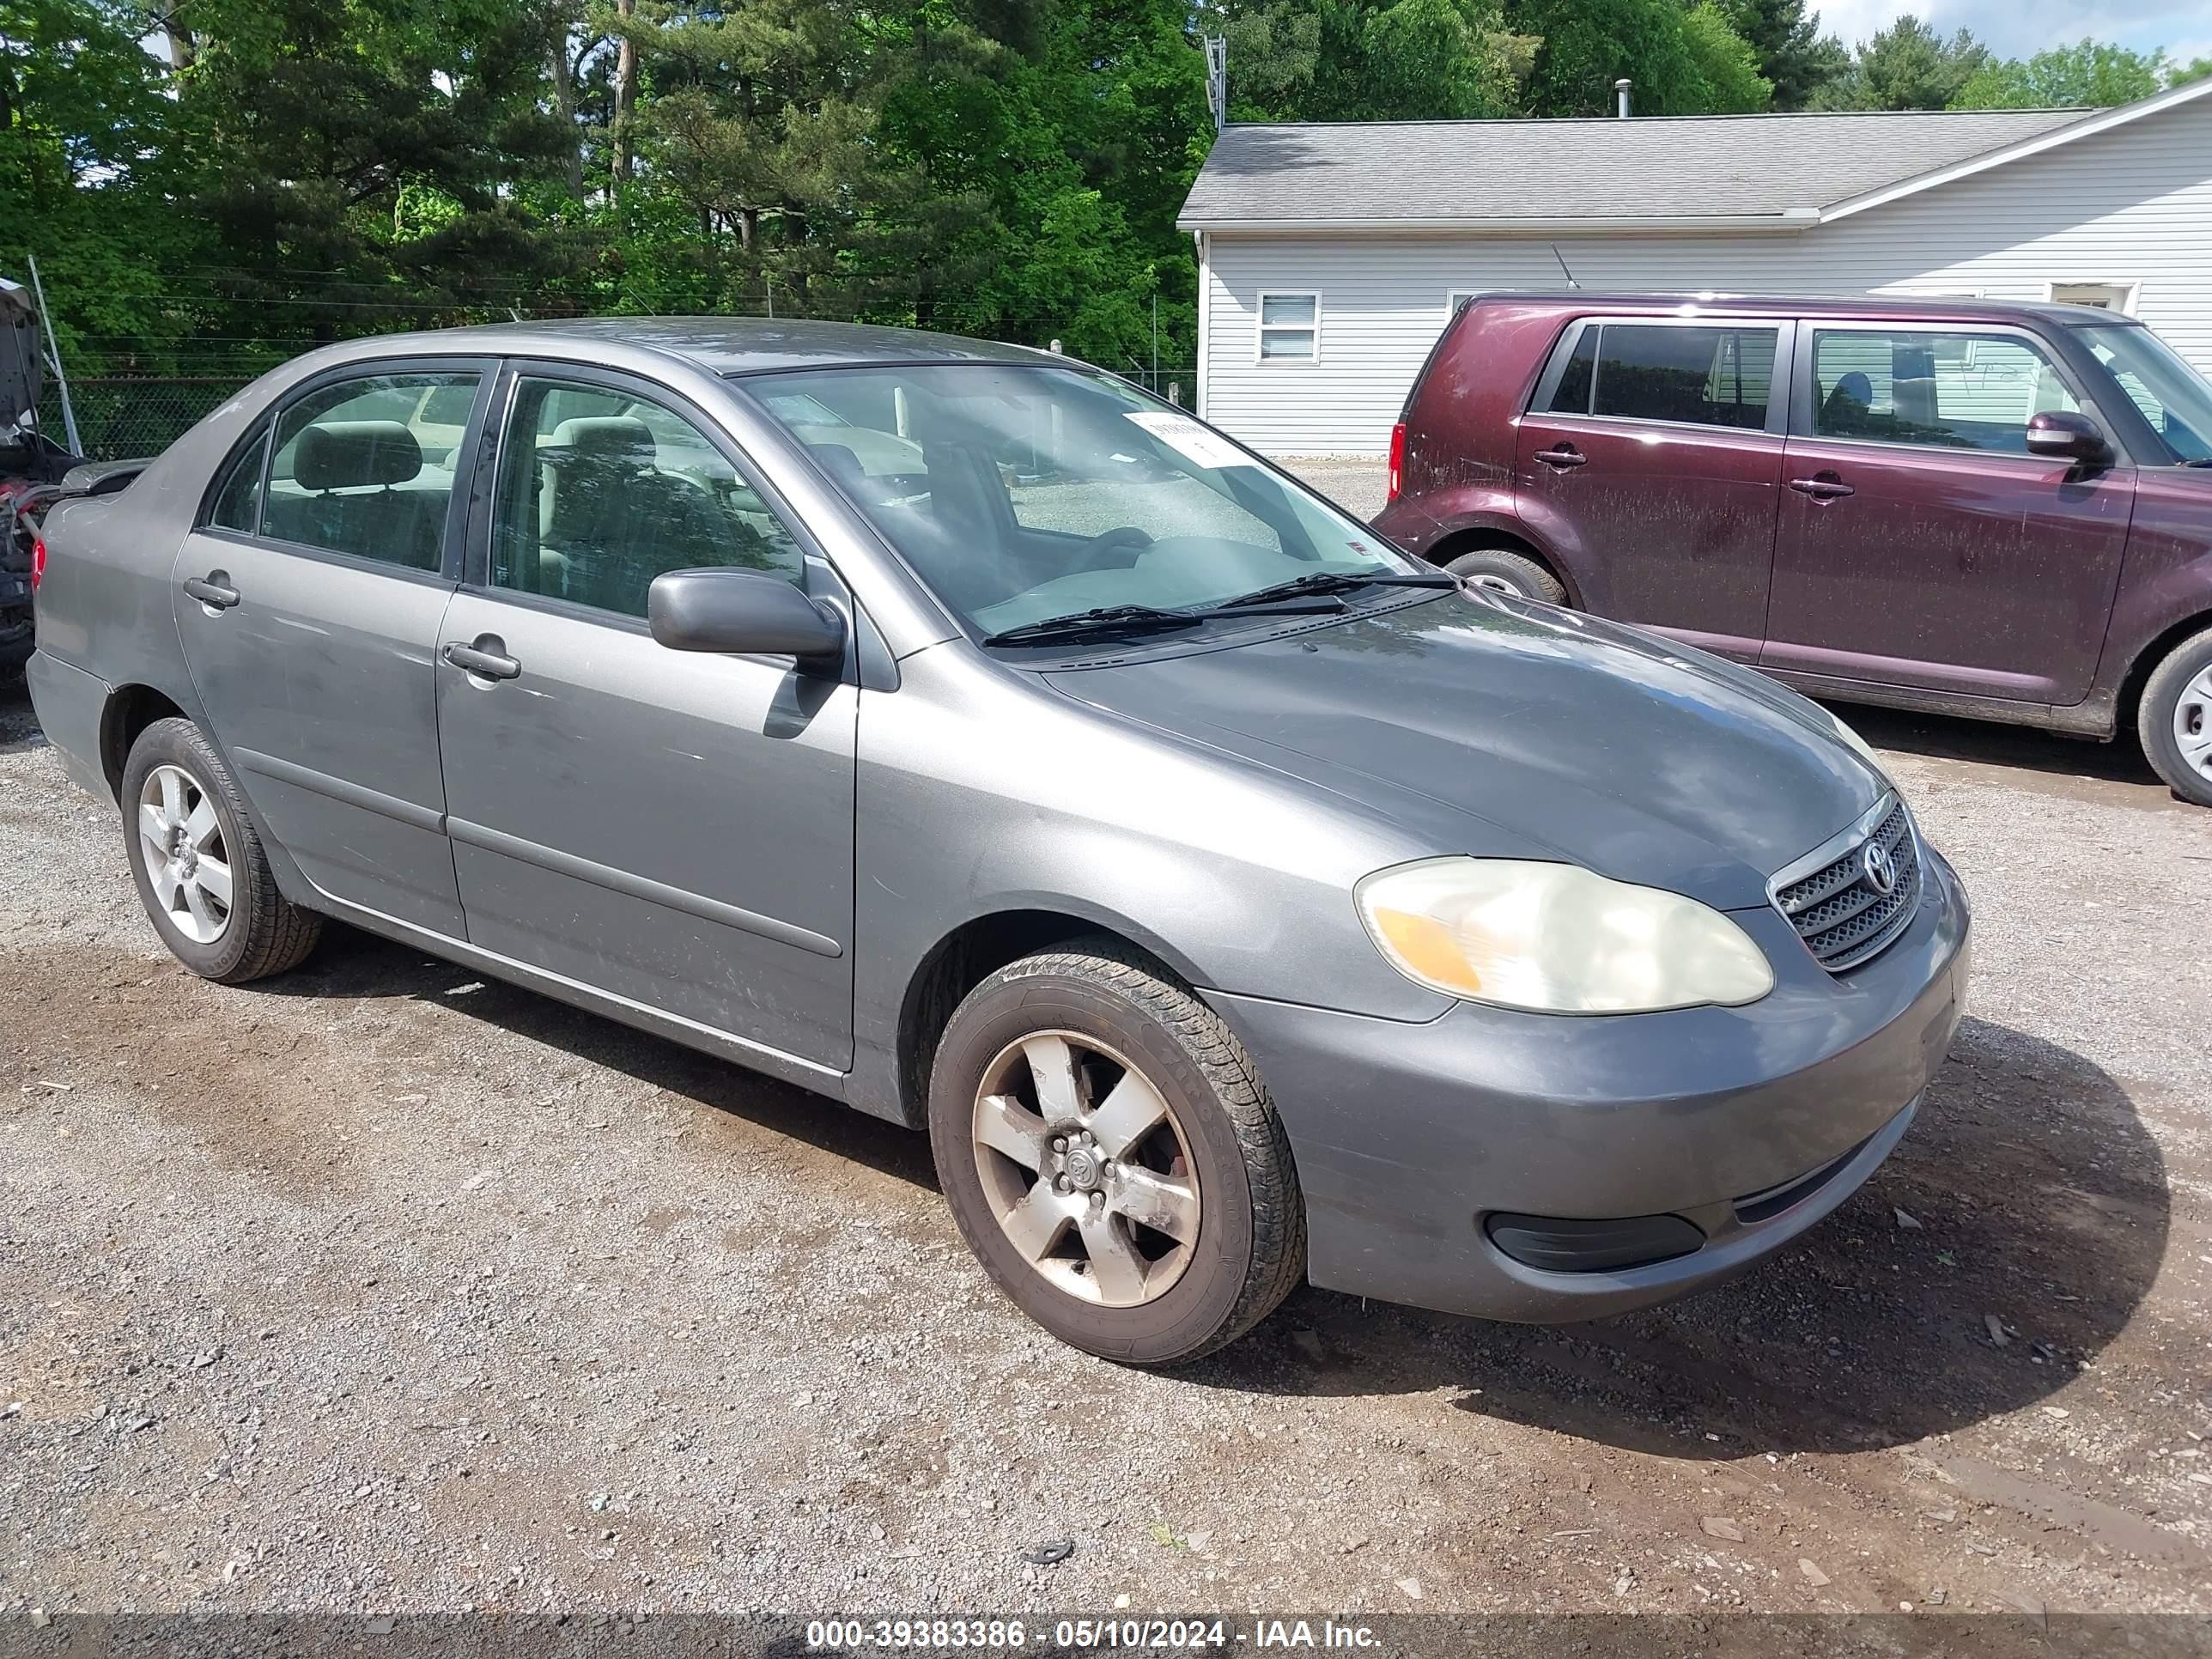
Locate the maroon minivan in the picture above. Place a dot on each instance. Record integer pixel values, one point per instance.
(2000, 511)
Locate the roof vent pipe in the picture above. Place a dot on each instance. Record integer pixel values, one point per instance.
(1621, 90)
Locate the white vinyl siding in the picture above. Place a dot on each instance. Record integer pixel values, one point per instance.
(2130, 206)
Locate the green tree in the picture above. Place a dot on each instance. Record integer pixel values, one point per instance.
(2090, 74)
(89, 168)
(1792, 53)
(1369, 60)
(1685, 61)
(1906, 66)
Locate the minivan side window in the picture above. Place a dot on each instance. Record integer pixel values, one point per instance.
(1695, 375)
(350, 476)
(599, 491)
(1957, 391)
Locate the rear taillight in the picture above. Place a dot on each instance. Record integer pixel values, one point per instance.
(38, 552)
(1397, 459)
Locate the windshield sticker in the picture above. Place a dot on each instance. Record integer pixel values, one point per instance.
(1189, 439)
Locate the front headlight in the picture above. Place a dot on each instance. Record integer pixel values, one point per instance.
(1556, 939)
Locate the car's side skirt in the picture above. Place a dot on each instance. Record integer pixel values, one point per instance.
(2093, 716)
(758, 1056)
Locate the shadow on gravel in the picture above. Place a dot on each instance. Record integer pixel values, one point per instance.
(2041, 1201)
(19, 726)
(1937, 736)
(351, 964)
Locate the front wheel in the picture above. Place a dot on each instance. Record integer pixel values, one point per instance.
(1509, 572)
(2175, 719)
(1111, 1155)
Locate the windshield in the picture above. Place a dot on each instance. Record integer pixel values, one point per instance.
(1023, 494)
(2172, 397)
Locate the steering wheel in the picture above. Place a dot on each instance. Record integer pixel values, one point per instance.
(1126, 535)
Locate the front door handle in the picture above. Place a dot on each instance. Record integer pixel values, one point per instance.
(213, 590)
(1823, 486)
(487, 659)
(1563, 456)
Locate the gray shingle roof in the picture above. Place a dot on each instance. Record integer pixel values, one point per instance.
(1658, 167)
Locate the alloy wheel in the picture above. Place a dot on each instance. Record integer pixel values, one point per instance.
(188, 866)
(1086, 1169)
(2192, 724)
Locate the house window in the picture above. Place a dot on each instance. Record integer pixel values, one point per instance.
(1290, 328)
(2104, 296)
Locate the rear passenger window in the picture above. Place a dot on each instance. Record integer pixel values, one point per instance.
(1959, 391)
(1572, 394)
(1696, 376)
(600, 492)
(237, 503)
(350, 475)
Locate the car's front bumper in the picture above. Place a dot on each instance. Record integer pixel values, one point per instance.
(1753, 1123)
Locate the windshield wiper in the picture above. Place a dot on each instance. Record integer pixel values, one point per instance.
(1112, 619)
(1341, 581)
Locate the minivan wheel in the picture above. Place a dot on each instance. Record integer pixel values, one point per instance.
(199, 866)
(2175, 718)
(1112, 1156)
(1509, 573)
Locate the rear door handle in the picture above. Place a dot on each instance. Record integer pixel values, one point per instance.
(1565, 455)
(1822, 489)
(486, 658)
(213, 590)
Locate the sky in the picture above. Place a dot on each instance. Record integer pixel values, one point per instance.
(2019, 29)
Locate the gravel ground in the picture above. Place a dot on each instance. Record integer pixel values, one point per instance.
(378, 1287)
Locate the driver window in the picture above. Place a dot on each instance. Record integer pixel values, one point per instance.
(600, 491)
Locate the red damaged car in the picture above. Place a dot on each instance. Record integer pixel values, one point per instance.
(1998, 511)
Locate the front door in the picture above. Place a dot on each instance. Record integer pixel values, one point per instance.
(671, 827)
(1920, 544)
(1650, 458)
(308, 601)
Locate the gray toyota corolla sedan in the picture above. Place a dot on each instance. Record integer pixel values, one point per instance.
(959, 733)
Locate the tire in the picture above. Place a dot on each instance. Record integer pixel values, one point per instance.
(1215, 1169)
(174, 770)
(2175, 718)
(1509, 572)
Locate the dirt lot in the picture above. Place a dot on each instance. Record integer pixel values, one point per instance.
(380, 1287)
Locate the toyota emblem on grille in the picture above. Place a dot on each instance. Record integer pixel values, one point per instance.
(1880, 869)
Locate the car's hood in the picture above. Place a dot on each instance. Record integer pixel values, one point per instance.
(1541, 733)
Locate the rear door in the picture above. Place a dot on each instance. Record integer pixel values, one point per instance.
(308, 599)
(1920, 544)
(1650, 457)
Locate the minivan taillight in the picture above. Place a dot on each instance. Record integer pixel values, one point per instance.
(1397, 459)
(38, 555)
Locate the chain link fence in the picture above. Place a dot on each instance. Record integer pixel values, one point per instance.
(120, 418)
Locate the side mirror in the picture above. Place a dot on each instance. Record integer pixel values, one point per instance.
(2065, 436)
(726, 609)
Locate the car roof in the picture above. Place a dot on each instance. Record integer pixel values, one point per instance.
(720, 345)
(1890, 308)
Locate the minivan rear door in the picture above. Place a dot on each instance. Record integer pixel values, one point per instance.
(1920, 544)
(1650, 459)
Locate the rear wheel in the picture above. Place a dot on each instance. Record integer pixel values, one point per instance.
(1111, 1155)
(1509, 572)
(2175, 718)
(199, 866)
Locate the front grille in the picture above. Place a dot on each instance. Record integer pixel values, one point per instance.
(1840, 911)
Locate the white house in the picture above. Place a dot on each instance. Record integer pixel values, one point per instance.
(1331, 255)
